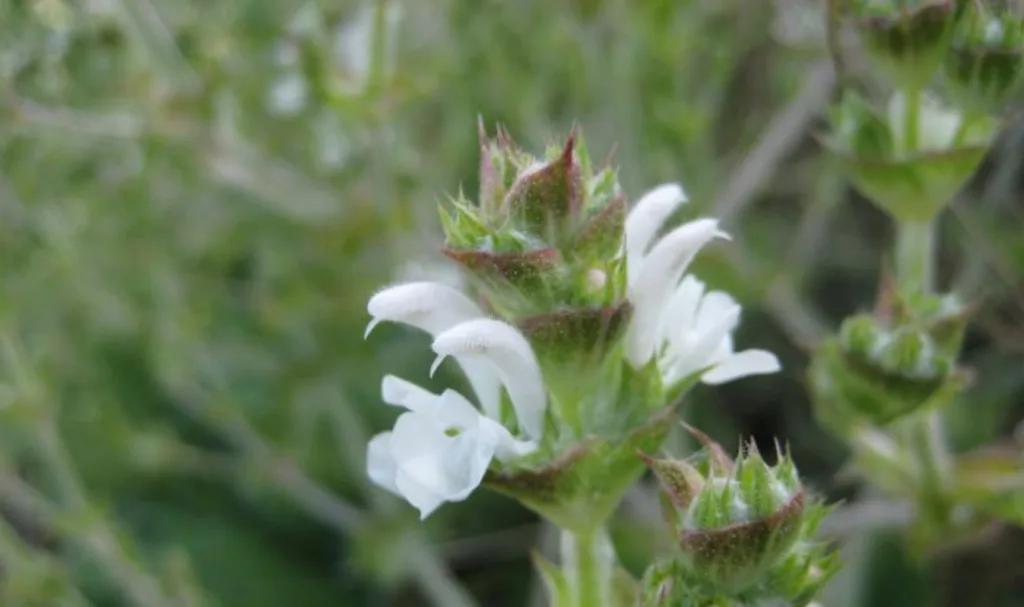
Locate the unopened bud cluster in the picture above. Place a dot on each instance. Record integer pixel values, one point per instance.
(977, 49)
(985, 62)
(890, 363)
(744, 529)
(914, 158)
(541, 247)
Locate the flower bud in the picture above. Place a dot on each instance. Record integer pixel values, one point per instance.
(542, 248)
(888, 364)
(906, 39)
(737, 530)
(546, 197)
(912, 180)
(733, 528)
(984, 66)
(540, 230)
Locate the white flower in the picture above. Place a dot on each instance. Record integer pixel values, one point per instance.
(646, 218)
(439, 450)
(653, 275)
(697, 329)
(674, 320)
(937, 126)
(510, 357)
(435, 308)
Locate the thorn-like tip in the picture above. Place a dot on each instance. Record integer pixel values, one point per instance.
(481, 130)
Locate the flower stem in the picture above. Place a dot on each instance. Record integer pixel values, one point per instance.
(915, 252)
(587, 558)
(928, 446)
(915, 244)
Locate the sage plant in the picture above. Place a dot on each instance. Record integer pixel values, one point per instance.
(579, 333)
(882, 382)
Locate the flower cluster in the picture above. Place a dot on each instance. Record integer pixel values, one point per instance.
(559, 273)
(688, 328)
(913, 161)
(744, 529)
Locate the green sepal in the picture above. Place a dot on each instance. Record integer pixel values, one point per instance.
(912, 185)
(906, 43)
(516, 283)
(555, 584)
(601, 233)
(546, 199)
(888, 364)
(680, 481)
(736, 556)
(983, 68)
(716, 461)
(792, 581)
(573, 343)
(915, 188)
(847, 391)
(761, 490)
(579, 488)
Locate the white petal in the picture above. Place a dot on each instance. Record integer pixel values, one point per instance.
(454, 411)
(435, 467)
(507, 447)
(742, 364)
(429, 306)
(657, 279)
(679, 316)
(936, 125)
(714, 306)
(435, 308)
(702, 350)
(485, 383)
(510, 356)
(711, 334)
(646, 218)
(417, 436)
(380, 462)
(397, 391)
(423, 498)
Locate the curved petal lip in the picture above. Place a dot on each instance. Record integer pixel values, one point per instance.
(511, 357)
(428, 306)
(742, 364)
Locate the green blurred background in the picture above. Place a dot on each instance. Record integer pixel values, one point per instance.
(197, 198)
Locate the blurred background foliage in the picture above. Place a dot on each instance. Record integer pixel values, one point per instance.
(197, 199)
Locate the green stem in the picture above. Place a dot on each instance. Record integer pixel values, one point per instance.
(915, 254)
(915, 244)
(587, 559)
(926, 441)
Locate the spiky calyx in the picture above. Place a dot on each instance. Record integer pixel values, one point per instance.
(743, 529)
(907, 39)
(888, 364)
(985, 65)
(543, 248)
(545, 233)
(911, 181)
